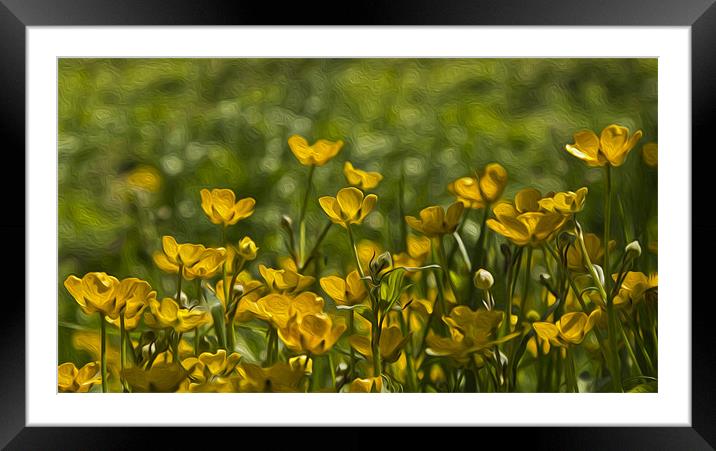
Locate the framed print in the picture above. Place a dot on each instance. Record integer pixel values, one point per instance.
(459, 221)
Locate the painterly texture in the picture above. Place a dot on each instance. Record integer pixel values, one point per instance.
(357, 225)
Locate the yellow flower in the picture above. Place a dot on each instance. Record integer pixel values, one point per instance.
(317, 154)
(72, 380)
(362, 179)
(350, 291)
(418, 250)
(523, 223)
(210, 372)
(248, 290)
(434, 221)
(285, 280)
(208, 265)
(90, 342)
(195, 260)
(611, 147)
(565, 203)
(279, 308)
(472, 335)
(281, 377)
(650, 153)
(99, 292)
(570, 329)
(237, 254)
(349, 206)
(368, 385)
(635, 287)
(168, 314)
(474, 193)
(162, 377)
(95, 292)
(247, 249)
(221, 207)
(314, 333)
(134, 295)
(391, 344)
(595, 251)
(418, 247)
(145, 178)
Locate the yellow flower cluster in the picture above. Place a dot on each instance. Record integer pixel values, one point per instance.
(446, 311)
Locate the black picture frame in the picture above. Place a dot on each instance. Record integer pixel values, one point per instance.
(16, 15)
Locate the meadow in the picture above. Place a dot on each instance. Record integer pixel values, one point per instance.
(367, 225)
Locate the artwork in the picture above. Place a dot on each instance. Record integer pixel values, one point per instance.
(357, 225)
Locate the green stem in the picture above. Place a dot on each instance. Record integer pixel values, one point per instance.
(355, 255)
(611, 323)
(176, 347)
(375, 345)
(103, 351)
(228, 290)
(642, 347)
(630, 350)
(351, 332)
(302, 217)
(196, 342)
(271, 346)
(510, 290)
(463, 219)
(440, 306)
(588, 263)
(478, 257)
(312, 377)
(179, 279)
(523, 299)
(314, 251)
(412, 380)
(478, 254)
(607, 222)
(571, 371)
(122, 351)
(401, 212)
(332, 369)
(444, 264)
(375, 331)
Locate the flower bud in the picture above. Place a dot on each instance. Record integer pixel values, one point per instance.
(600, 273)
(247, 248)
(380, 263)
(533, 316)
(633, 249)
(483, 279)
(238, 290)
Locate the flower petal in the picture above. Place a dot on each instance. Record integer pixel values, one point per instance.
(170, 247)
(350, 200)
(331, 208)
(335, 287)
(527, 200)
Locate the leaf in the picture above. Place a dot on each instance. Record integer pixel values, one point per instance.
(250, 343)
(391, 287)
(648, 387)
(217, 314)
(353, 307)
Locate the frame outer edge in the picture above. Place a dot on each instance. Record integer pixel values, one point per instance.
(12, 226)
(703, 109)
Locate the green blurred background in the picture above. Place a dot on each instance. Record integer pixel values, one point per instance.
(224, 123)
